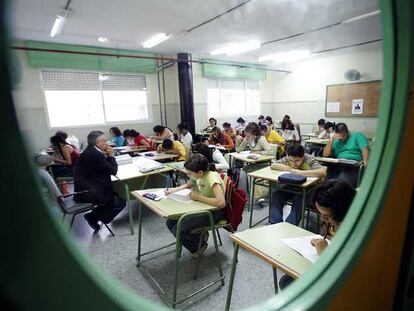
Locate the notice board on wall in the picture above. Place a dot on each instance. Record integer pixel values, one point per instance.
(359, 99)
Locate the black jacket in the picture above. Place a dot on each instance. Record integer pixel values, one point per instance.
(93, 172)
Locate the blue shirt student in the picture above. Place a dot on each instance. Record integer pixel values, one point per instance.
(119, 141)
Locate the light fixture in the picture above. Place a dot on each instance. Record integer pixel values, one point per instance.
(286, 57)
(59, 23)
(363, 16)
(155, 40)
(103, 77)
(238, 48)
(103, 39)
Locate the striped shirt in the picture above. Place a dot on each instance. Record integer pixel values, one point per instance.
(261, 145)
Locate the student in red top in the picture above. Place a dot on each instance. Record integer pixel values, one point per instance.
(217, 137)
(136, 139)
(66, 155)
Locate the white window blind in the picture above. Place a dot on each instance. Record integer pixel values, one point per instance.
(88, 98)
(233, 98)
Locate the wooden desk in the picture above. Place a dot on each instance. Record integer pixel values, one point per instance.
(127, 173)
(178, 166)
(267, 174)
(310, 135)
(358, 165)
(128, 149)
(317, 141)
(243, 157)
(171, 209)
(266, 243)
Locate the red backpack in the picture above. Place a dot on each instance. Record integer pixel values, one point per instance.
(236, 200)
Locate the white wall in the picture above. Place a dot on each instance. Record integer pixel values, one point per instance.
(30, 108)
(301, 94)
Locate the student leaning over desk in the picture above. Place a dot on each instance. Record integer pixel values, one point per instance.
(173, 147)
(346, 145)
(207, 187)
(254, 141)
(299, 163)
(273, 137)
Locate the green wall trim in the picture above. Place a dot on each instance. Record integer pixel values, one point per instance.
(232, 72)
(39, 59)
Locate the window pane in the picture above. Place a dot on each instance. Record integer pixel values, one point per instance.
(125, 105)
(232, 101)
(213, 102)
(252, 102)
(72, 108)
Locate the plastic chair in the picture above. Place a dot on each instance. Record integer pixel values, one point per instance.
(65, 201)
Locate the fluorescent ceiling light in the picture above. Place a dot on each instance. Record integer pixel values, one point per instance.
(59, 23)
(238, 48)
(286, 57)
(363, 16)
(103, 77)
(103, 39)
(157, 39)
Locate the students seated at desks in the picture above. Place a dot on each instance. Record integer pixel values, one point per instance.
(213, 155)
(241, 126)
(254, 141)
(212, 124)
(161, 132)
(134, 138)
(332, 199)
(299, 163)
(173, 147)
(217, 137)
(207, 187)
(346, 145)
(184, 136)
(229, 130)
(320, 128)
(269, 123)
(273, 137)
(72, 139)
(289, 132)
(262, 120)
(328, 131)
(117, 137)
(66, 154)
(93, 180)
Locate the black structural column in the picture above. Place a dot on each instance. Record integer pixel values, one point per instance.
(185, 82)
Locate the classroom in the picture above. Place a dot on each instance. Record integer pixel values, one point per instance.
(214, 155)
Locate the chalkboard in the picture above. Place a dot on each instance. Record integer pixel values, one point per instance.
(353, 99)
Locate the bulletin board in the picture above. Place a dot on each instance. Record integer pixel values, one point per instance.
(353, 99)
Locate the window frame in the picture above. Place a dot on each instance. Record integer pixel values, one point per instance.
(150, 118)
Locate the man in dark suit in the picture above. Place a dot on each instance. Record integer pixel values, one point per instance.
(93, 173)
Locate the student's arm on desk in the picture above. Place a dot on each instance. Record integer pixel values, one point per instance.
(327, 151)
(217, 201)
(188, 185)
(319, 172)
(365, 154)
(281, 167)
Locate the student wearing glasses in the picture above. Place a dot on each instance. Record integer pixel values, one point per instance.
(299, 163)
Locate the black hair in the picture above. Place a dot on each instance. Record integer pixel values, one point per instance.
(125, 133)
(158, 129)
(261, 117)
(321, 122)
(62, 133)
(167, 144)
(254, 129)
(197, 162)
(203, 139)
(131, 133)
(204, 150)
(286, 117)
(269, 118)
(341, 128)
(215, 121)
(329, 125)
(337, 195)
(220, 138)
(57, 140)
(226, 124)
(182, 126)
(295, 150)
(240, 120)
(287, 125)
(263, 128)
(116, 130)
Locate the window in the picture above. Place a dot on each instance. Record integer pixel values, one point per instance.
(90, 98)
(233, 98)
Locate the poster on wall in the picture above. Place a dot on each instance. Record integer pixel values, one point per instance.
(357, 106)
(333, 106)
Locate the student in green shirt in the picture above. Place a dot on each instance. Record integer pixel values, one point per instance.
(207, 187)
(346, 145)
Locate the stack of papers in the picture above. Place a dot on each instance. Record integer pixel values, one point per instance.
(123, 159)
(304, 247)
(145, 164)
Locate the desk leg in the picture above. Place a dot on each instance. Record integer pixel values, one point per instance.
(303, 207)
(251, 198)
(230, 161)
(275, 280)
(128, 199)
(140, 207)
(233, 271)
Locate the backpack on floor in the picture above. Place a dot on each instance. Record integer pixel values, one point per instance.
(236, 200)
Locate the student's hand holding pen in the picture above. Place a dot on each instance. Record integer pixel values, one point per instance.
(319, 244)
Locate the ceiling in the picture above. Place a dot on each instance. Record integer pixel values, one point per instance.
(128, 23)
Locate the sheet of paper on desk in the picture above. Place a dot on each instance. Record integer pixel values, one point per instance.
(304, 247)
(123, 159)
(183, 196)
(145, 163)
(245, 152)
(160, 193)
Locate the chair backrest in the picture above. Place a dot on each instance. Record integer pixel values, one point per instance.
(50, 183)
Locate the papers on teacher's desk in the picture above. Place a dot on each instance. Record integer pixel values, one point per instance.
(145, 165)
(304, 247)
(123, 159)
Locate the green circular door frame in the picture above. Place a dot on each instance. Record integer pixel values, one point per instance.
(43, 268)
